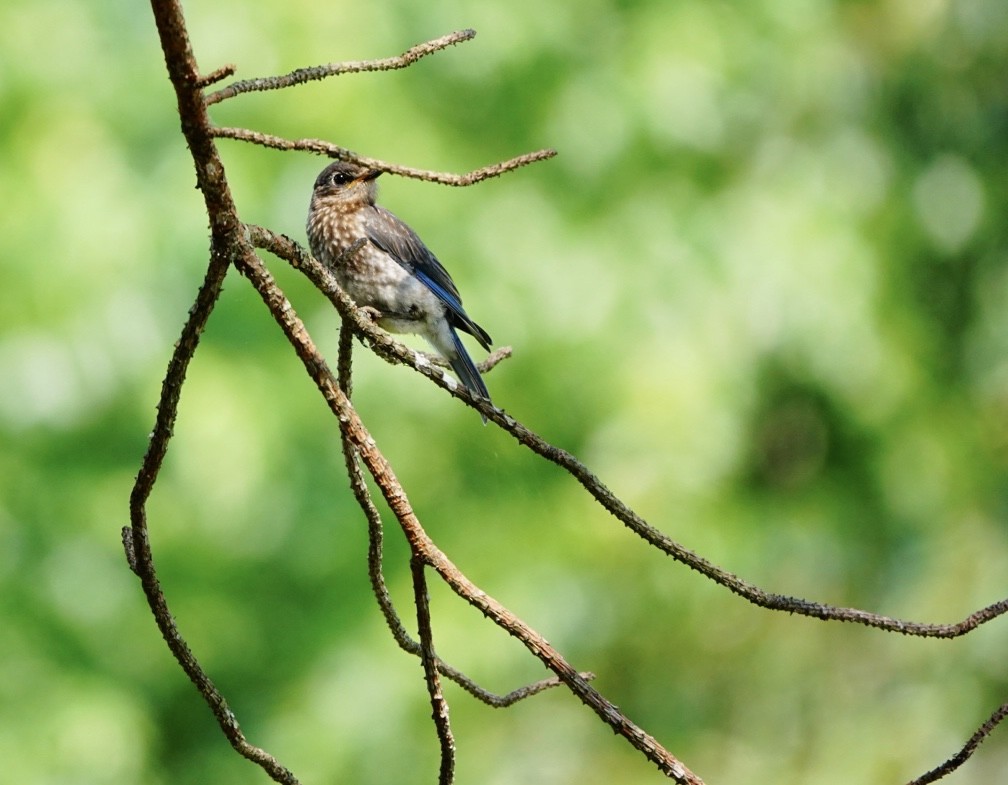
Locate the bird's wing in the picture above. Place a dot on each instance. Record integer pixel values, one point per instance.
(400, 242)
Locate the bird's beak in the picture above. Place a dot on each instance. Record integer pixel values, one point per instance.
(370, 174)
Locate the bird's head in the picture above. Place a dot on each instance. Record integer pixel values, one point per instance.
(346, 184)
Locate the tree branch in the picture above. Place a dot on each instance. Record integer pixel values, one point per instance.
(393, 351)
(967, 751)
(225, 236)
(315, 73)
(321, 147)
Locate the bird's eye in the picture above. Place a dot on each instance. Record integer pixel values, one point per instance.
(339, 178)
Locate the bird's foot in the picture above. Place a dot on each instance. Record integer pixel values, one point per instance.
(372, 313)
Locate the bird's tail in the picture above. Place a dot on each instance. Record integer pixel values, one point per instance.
(463, 366)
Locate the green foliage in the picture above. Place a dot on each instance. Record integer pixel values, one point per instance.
(762, 292)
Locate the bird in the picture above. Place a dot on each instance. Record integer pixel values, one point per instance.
(393, 272)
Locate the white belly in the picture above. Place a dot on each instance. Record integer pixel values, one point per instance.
(406, 305)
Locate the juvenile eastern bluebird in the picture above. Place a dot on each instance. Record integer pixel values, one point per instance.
(393, 272)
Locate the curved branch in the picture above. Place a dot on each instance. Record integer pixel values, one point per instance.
(226, 235)
(315, 73)
(393, 351)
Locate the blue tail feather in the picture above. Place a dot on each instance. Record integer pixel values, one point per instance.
(467, 372)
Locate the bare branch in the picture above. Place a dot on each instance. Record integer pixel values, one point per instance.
(215, 76)
(302, 75)
(528, 690)
(341, 153)
(967, 751)
(225, 235)
(421, 598)
(495, 358)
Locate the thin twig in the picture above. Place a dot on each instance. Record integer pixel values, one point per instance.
(322, 147)
(495, 358)
(302, 75)
(217, 75)
(491, 361)
(967, 751)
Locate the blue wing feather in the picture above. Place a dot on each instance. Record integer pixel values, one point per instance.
(452, 301)
(400, 242)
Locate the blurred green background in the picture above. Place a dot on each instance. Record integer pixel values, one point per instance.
(762, 292)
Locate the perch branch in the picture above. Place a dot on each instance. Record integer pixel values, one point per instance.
(302, 75)
(395, 352)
